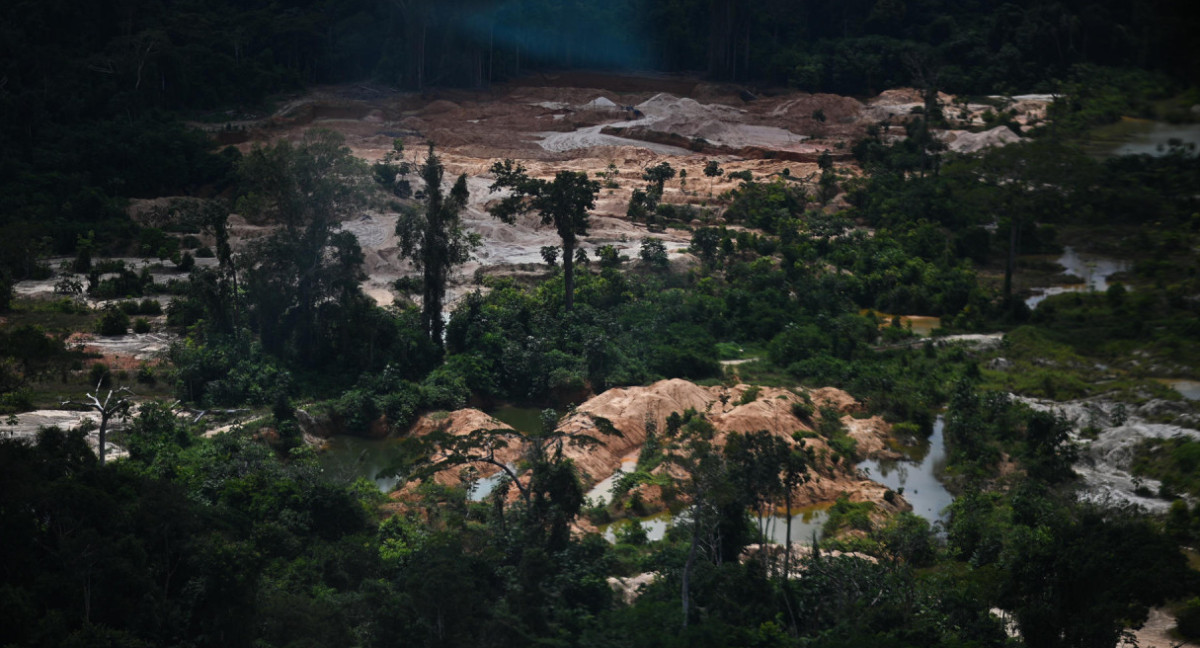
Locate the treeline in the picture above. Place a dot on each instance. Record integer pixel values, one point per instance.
(216, 542)
(118, 58)
(91, 94)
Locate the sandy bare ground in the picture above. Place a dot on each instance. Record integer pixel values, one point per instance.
(1156, 633)
(26, 425)
(565, 122)
(562, 122)
(139, 346)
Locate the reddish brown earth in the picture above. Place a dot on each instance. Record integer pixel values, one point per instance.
(633, 410)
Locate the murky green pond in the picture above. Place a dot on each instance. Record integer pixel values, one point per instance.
(347, 458)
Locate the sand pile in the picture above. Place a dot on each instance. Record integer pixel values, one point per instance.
(960, 141)
(460, 423)
(743, 409)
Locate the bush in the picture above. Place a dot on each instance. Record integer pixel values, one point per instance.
(150, 307)
(1188, 621)
(113, 322)
(444, 389)
(15, 401)
(141, 325)
(803, 411)
(632, 533)
(99, 375)
(186, 262)
(145, 376)
(184, 311)
(749, 396)
(654, 254)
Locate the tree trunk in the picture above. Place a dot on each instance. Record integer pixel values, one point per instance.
(102, 435)
(569, 272)
(787, 551)
(1013, 236)
(691, 560)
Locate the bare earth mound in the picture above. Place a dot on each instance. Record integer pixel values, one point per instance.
(631, 410)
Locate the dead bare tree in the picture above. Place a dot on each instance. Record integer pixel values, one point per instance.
(116, 403)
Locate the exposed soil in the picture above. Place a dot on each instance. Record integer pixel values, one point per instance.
(584, 122)
(634, 410)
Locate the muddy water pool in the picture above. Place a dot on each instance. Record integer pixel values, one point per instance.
(347, 458)
(916, 476)
(1140, 137)
(1093, 269)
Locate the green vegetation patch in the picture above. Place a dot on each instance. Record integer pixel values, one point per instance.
(1175, 462)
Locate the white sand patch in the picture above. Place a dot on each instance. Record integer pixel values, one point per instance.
(967, 142)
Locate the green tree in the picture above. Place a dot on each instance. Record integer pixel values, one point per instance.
(308, 188)
(436, 241)
(657, 177)
(713, 170)
(563, 202)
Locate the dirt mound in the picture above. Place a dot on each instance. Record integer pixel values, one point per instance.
(460, 423)
(836, 398)
(819, 116)
(870, 435)
(968, 142)
(440, 108)
(600, 103)
(739, 409)
(629, 410)
(743, 409)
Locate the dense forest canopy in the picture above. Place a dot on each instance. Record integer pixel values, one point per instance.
(778, 283)
(83, 87)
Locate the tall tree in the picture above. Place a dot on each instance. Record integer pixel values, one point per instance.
(308, 188)
(563, 202)
(435, 241)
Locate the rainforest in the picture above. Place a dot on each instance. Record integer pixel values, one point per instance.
(581, 323)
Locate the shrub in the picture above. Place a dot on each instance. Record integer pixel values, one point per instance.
(749, 396)
(653, 253)
(141, 325)
(1188, 621)
(186, 262)
(803, 411)
(150, 307)
(99, 375)
(145, 375)
(632, 533)
(113, 322)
